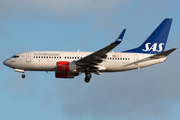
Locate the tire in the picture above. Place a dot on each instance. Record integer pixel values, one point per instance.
(23, 76)
(87, 79)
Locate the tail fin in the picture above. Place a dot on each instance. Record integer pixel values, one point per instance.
(156, 42)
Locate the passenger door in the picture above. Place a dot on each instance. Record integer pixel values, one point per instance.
(28, 57)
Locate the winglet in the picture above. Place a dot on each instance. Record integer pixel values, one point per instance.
(119, 39)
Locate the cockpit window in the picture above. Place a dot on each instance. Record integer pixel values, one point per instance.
(15, 56)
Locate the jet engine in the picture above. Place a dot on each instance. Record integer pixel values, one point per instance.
(66, 66)
(60, 74)
(65, 69)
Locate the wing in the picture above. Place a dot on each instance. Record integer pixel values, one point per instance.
(100, 55)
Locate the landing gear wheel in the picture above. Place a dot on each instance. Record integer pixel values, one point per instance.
(23, 76)
(88, 77)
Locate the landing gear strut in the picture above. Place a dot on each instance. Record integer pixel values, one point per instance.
(88, 76)
(23, 75)
(21, 71)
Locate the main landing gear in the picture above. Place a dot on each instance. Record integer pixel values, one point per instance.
(88, 76)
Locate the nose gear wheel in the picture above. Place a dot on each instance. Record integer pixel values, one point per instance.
(23, 76)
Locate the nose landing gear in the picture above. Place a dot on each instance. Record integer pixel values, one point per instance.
(21, 71)
(23, 75)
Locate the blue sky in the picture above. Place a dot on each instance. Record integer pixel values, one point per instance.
(151, 93)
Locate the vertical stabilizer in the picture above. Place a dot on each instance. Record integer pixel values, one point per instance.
(156, 42)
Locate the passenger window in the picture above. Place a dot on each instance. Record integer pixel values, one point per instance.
(65, 57)
(72, 57)
(41, 56)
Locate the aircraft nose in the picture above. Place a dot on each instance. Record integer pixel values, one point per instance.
(5, 62)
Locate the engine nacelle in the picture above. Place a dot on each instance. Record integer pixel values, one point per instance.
(60, 74)
(66, 66)
(65, 69)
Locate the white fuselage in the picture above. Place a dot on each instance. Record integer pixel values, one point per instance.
(47, 60)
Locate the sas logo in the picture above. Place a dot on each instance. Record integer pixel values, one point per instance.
(119, 39)
(153, 47)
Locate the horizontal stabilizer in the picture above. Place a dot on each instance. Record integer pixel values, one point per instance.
(163, 54)
(157, 56)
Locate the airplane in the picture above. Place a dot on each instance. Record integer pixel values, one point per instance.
(71, 64)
